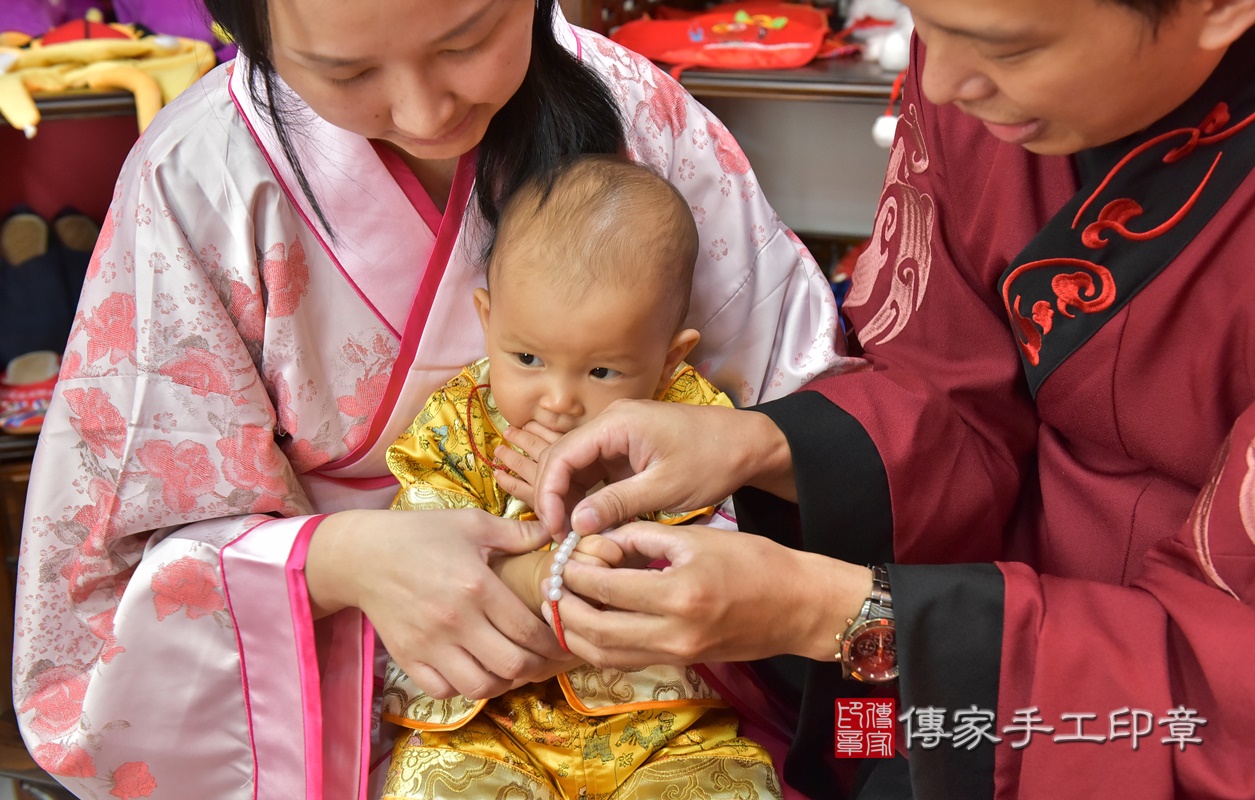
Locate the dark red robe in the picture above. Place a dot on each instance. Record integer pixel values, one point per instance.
(1062, 395)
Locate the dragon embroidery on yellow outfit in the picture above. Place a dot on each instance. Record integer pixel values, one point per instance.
(588, 732)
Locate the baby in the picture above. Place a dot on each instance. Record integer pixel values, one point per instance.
(588, 288)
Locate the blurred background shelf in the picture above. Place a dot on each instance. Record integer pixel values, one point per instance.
(807, 131)
(835, 79)
(80, 104)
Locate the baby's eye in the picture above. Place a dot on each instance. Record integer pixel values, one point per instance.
(602, 373)
(527, 359)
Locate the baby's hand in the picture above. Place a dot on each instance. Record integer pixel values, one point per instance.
(532, 439)
(598, 551)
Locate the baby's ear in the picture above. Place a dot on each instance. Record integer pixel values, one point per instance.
(681, 345)
(1225, 21)
(481, 308)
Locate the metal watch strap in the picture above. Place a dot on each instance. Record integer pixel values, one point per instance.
(878, 604)
(881, 600)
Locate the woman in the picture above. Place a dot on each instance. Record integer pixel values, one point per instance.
(280, 283)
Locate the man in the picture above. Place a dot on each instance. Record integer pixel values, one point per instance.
(1056, 310)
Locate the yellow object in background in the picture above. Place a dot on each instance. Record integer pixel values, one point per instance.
(16, 104)
(155, 69)
(113, 75)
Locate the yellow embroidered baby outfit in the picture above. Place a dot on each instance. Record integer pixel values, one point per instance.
(589, 733)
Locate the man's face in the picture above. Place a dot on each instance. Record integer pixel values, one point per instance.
(1065, 75)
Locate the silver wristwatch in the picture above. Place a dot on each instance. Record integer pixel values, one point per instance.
(868, 650)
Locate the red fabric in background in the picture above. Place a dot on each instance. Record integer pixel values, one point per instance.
(716, 39)
(70, 162)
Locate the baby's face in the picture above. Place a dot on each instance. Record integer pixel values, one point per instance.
(560, 361)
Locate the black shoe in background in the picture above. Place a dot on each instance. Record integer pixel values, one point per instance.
(36, 307)
(74, 235)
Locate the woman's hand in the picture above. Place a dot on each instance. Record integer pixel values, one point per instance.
(658, 457)
(520, 479)
(725, 596)
(425, 582)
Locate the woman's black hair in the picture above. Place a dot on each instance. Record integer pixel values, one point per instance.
(561, 109)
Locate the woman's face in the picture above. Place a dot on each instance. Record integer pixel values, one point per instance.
(424, 75)
(1061, 76)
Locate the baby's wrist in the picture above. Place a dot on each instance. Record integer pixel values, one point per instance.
(540, 571)
(522, 575)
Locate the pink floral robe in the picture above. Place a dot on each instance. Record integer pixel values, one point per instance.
(234, 373)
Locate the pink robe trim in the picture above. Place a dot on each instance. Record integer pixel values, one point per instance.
(275, 627)
(381, 482)
(446, 239)
(414, 191)
(307, 655)
(366, 688)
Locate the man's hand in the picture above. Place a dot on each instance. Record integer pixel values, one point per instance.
(657, 457)
(723, 596)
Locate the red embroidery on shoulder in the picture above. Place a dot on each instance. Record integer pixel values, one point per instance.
(1092, 293)
(1076, 290)
(1118, 212)
(727, 151)
(1210, 126)
(901, 239)
(666, 104)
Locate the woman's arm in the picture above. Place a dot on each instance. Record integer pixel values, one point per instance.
(162, 593)
(427, 582)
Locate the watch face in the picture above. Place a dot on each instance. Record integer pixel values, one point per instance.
(871, 653)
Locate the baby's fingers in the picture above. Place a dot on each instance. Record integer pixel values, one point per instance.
(532, 439)
(514, 485)
(540, 433)
(599, 551)
(521, 464)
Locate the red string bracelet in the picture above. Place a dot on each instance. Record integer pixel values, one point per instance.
(557, 626)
